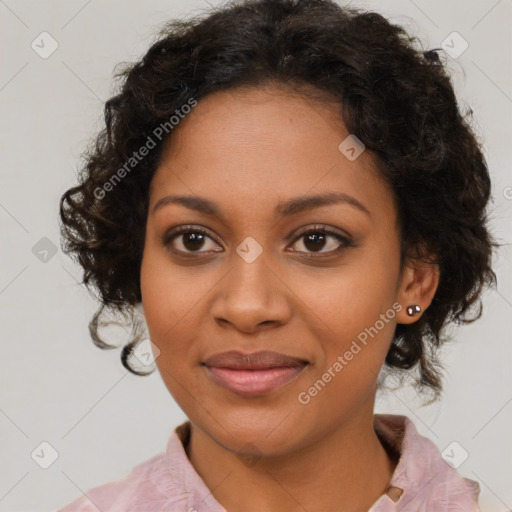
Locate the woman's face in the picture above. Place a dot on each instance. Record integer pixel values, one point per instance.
(266, 275)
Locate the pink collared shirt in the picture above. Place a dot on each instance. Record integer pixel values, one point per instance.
(167, 482)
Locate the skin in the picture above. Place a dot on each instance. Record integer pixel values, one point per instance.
(247, 150)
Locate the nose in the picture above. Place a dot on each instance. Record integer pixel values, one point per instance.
(251, 296)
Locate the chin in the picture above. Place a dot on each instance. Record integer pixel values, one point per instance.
(262, 433)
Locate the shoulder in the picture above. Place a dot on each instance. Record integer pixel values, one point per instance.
(166, 481)
(141, 483)
(157, 484)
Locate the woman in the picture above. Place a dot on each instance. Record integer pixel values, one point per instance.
(289, 193)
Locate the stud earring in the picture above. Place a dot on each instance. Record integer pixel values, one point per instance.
(413, 310)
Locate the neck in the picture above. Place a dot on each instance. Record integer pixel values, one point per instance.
(348, 469)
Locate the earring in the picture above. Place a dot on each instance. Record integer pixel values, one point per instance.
(413, 310)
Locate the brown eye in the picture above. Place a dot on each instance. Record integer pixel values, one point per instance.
(188, 240)
(192, 239)
(316, 239)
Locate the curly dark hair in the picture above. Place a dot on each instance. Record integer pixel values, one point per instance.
(395, 96)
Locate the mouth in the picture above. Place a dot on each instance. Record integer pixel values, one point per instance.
(253, 374)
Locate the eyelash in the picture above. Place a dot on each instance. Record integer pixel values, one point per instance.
(345, 241)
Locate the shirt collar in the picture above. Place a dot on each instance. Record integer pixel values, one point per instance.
(422, 478)
(419, 467)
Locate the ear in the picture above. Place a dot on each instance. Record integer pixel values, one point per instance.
(418, 285)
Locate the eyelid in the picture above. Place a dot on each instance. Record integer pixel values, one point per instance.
(320, 227)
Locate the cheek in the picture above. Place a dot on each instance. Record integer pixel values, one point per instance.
(354, 350)
(351, 297)
(171, 293)
(173, 300)
(354, 307)
(168, 301)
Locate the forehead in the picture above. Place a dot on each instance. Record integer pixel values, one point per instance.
(257, 146)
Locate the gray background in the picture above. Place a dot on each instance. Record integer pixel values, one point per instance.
(56, 386)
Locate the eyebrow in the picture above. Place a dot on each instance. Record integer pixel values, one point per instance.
(286, 208)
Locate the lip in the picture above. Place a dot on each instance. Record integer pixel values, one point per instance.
(253, 374)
